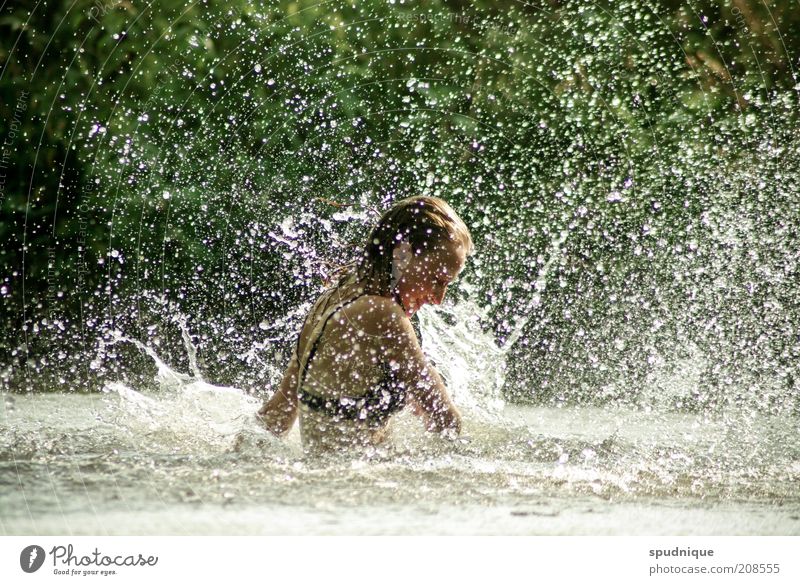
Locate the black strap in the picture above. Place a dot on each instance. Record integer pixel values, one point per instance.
(377, 405)
(313, 348)
(374, 407)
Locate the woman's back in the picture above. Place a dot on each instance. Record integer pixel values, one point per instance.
(341, 358)
(347, 386)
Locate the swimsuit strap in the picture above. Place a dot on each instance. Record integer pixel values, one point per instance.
(375, 406)
(317, 333)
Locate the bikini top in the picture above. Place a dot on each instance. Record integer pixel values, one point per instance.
(377, 404)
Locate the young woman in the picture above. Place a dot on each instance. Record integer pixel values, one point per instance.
(358, 359)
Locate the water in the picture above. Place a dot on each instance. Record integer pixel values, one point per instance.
(190, 458)
(72, 466)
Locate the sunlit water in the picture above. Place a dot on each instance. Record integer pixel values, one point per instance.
(191, 458)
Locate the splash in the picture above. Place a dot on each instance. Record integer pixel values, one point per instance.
(466, 355)
(553, 254)
(185, 411)
(186, 408)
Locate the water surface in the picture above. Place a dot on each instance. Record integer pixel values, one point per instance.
(194, 461)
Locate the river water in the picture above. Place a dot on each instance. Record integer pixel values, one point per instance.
(189, 457)
(193, 460)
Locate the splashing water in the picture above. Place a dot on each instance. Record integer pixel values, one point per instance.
(539, 285)
(514, 470)
(185, 408)
(468, 358)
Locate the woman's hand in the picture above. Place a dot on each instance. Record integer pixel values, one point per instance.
(280, 411)
(445, 419)
(277, 415)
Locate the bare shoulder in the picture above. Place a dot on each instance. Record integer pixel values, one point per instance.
(390, 332)
(378, 315)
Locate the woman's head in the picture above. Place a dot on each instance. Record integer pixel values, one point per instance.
(418, 247)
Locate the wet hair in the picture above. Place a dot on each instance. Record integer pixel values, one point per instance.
(423, 222)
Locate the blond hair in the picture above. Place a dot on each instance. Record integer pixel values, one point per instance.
(421, 221)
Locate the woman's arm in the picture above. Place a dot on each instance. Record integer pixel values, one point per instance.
(424, 384)
(430, 399)
(280, 411)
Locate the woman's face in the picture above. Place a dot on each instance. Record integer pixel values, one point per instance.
(423, 279)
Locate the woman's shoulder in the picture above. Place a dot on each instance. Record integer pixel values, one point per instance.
(377, 314)
(371, 305)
